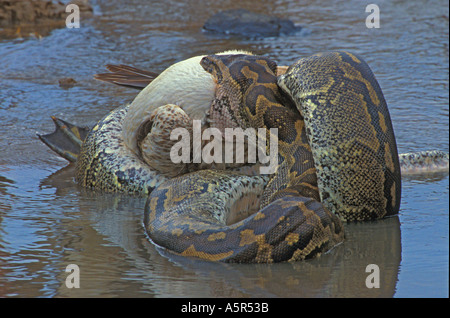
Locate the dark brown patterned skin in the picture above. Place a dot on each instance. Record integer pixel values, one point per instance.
(188, 214)
(341, 157)
(350, 132)
(106, 164)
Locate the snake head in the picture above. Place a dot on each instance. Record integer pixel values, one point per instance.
(235, 76)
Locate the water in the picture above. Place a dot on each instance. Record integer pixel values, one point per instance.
(47, 222)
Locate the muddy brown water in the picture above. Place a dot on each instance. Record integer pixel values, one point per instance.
(47, 222)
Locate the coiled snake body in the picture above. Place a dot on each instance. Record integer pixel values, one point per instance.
(352, 165)
(337, 160)
(350, 133)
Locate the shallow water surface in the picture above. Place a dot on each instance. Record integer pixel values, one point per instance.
(47, 222)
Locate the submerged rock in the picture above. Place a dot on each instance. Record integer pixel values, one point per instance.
(66, 82)
(245, 23)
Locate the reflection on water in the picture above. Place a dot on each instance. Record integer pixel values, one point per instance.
(48, 222)
(103, 234)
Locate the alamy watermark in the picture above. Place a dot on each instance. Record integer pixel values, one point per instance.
(73, 19)
(373, 19)
(221, 149)
(373, 279)
(73, 279)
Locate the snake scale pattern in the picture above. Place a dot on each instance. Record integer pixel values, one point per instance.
(350, 132)
(337, 161)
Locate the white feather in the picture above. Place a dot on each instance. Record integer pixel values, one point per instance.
(185, 84)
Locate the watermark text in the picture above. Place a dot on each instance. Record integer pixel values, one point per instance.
(228, 147)
(73, 19)
(373, 279)
(73, 279)
(373, 19)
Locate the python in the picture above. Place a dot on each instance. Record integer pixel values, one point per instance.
(224, 145)
(225, 216)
